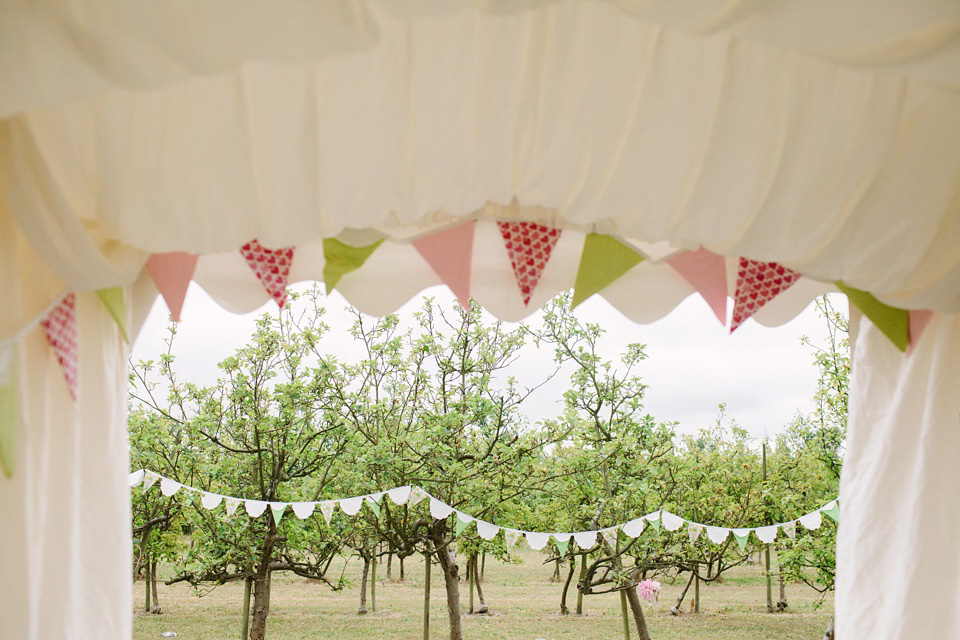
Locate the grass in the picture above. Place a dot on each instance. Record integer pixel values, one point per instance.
(523, 601)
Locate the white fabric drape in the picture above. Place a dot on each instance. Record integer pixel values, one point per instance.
(898, 563)
(65, 531)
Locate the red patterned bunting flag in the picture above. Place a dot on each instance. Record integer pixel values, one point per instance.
(529, 246)
(757, 284)
(271, 266)
(60, 327)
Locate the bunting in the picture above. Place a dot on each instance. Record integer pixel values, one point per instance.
(757, 284)
(603, 261)
(60, 327)
(450, 254)
(271, 266)
(706, 272)
(529, 246)
(919, 319)
(172, 273)
(8, 408)
(113, 301)
(341, 258)
(893, 322)
(487, 530)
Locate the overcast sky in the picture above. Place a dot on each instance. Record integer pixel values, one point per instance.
(764, 375)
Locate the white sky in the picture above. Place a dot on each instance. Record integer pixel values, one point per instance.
(764, 375)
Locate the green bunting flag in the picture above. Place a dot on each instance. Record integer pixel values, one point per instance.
(833, 511)
(340, 259)
(562, 546)
(460, 525)
(893, 322)
(372, 504)
(8, 423)
(741, 539)
(655, 523)
(113, 300)
(604, 260)
(278, 512)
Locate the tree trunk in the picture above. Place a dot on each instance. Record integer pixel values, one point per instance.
(634, 601)
(373, 582)
(556, 570)
(390, 567)
(447, 560)
(471, 574)
(146, 581)
(683, 594)
(363, 585)
(483, 605)
(566, 586)
(583, 577)
(245, 623)
(401, 568)
(483, 567)
(782, 602)
(261, 588)
(426, 594)
(153, 587)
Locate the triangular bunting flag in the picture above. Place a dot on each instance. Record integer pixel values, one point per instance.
(326, 508)
(459, 525)
(8, 409)
(693, 531)
(172, 273)
(562, 545)
(277, 509)
(717, 535)
(399, 495)
(832, 510)
(610, 536)
(919, 319)
(149, 479)
(654, 519)
(232, 504)
(741, 536)
(271, 266)
(707, 273)
(790, 528)
(136, 478)
(373, 505)
(113, 300)
(511, 537)
(416, 495)
(671, 522)
(893, 322)
(60, 327)
(757, 284)
(450, 254)
(529, 246)
(341, 258)
(603, 261)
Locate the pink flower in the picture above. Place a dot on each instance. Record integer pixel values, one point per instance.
(649, 590)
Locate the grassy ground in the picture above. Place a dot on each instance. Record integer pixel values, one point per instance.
(523, 602)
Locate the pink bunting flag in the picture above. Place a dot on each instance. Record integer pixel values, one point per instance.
(450, 254)
(271, 266)
(172, 273)
(60, 327)
(919, 319)
(707, 273)
(757, 284)
(529, 246)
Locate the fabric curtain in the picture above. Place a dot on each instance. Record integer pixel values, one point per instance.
(898, 562)
(65, 557)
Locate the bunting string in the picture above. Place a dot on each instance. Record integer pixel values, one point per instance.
(536, 540)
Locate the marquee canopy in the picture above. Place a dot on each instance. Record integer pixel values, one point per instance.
(821, 136)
